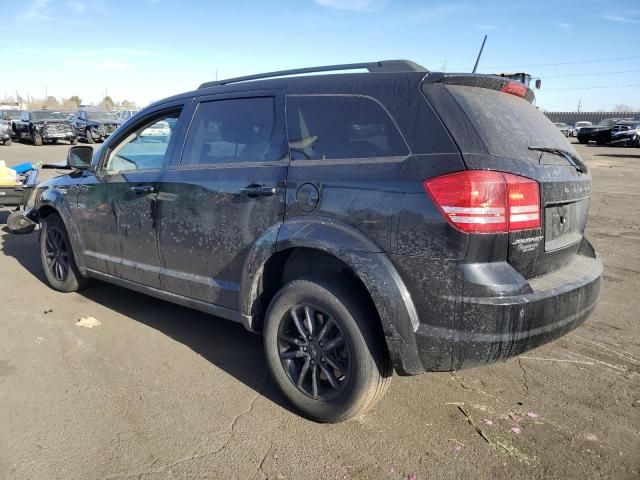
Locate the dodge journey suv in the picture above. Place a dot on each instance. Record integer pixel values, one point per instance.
(366, 222)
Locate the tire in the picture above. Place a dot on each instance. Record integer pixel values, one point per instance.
(89, 135)
(359, 366)
(55, 239)
(18, 223)
(583, 140)
(73, 141)
(37, 139)
(7, 142)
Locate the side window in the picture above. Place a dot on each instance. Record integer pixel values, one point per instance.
(24, 116)
(232, 131)
(145, 147)
(338, 127)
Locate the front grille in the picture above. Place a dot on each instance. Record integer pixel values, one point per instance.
(56, 128)
(107, 128)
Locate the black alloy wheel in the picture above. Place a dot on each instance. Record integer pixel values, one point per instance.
(57, 253)
(313, 352)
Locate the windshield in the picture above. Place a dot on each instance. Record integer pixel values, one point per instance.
(583, 124)
(561, 125)
(102, 116)
(44, 115)
(10, 114)
(607, 122)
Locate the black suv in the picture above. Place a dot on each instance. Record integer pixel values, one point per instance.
(93, 125)
(600, 133)
(44, 126)
(364, 222)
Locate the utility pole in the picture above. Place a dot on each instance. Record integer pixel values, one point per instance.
(579, 105)
(46, 92)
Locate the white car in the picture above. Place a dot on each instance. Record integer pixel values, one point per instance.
(578, 126)
(160, 129)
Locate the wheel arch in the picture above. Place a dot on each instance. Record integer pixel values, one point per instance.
(334, 246)
(52, 201)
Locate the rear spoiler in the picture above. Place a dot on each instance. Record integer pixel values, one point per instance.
(490, 82)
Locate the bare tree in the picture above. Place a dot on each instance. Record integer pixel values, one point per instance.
(107, 104)
(622, 108)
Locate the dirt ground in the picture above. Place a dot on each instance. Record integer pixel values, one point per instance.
(158, 391)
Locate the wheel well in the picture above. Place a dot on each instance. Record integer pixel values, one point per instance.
(295, 263)
(45, 211)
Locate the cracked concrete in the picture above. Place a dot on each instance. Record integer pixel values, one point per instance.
(161, 392)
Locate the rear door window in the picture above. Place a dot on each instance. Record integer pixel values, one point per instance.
(326, 127)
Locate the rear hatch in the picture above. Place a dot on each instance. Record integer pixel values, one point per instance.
(497, 128)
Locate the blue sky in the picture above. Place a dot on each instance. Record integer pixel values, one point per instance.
(145, 50)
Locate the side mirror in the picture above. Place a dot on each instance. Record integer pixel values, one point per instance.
(538, 84)
(79, 157)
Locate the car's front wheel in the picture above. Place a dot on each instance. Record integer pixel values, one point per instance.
(37, 139)
(325, 350)
(56, 254)
(89, 135)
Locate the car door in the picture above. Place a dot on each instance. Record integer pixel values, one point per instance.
(117, 207)
(222, 194)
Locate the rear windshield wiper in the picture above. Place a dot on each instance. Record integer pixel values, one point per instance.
(575, 162)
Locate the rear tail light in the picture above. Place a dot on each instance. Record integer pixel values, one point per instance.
(480, 201)
(515, 88)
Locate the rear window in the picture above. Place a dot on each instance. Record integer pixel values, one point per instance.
(340, 127)
(508, 125)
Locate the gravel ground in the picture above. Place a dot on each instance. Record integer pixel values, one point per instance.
(159, 391)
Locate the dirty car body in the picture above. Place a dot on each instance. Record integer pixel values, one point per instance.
(354, 181)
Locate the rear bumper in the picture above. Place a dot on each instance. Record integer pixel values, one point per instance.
(490, 328)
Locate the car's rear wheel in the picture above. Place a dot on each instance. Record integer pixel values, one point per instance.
(7, 142)
(73, 141)
(56, 254)
(325, 350)
(37, 139)
(583, 140)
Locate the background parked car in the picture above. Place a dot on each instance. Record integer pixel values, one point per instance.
(579, 125)
(626, 134)
(564, 128)
(5, 132)
(600, 133)
(11, 116)
(42, 126)
(124, 115)
(94, 126)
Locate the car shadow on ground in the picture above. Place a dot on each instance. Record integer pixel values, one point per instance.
(225, 344)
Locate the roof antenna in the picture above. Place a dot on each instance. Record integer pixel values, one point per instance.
(475, 67)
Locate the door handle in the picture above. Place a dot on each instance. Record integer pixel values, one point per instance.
(142, 189)
(255, 191)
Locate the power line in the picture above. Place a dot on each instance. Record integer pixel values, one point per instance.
(592, 74)
(594, 87)
(595, 60)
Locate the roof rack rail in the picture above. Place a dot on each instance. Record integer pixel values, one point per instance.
(383, 66)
